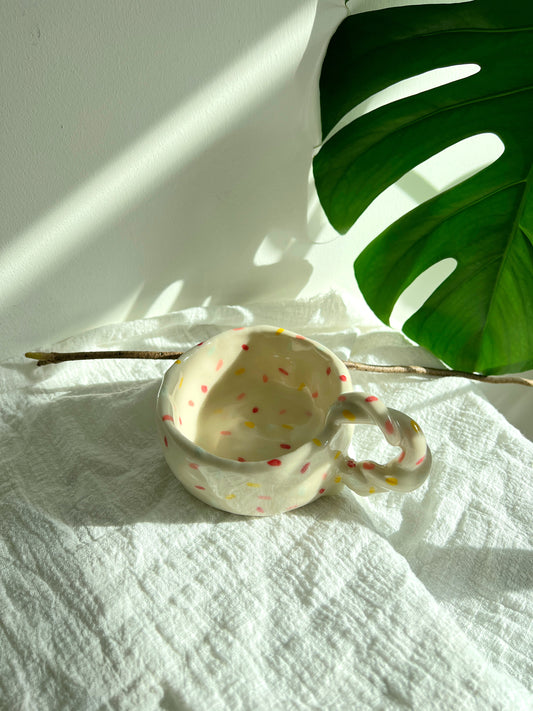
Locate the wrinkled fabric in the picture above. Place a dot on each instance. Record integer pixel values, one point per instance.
(119, 590)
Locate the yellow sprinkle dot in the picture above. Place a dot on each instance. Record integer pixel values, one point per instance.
(348, 415)
(371, 490)
(415, 426)
(288, 427)
(177, 361)
(181, 383)
(240, 371)
(250, 424)
(218, 411)
(251, 483)
(280, 330)
(391, 480)
(230, 496)
(338, 479)
(337, 454)
(301, 386)
(317, 442)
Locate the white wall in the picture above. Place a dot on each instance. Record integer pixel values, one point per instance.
(148, 151)
(156, 155)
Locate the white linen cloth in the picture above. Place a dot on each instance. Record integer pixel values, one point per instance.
(118, 590)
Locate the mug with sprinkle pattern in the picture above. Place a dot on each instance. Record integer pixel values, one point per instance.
(258, 420)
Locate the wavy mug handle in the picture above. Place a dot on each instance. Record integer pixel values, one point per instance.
(405, 472)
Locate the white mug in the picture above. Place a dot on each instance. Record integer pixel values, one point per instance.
(257, 421)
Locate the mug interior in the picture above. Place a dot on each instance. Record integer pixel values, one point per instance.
(254, 394)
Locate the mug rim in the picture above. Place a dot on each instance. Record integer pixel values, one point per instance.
(164, 403)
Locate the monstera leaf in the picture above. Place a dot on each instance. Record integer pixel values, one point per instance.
(480, 318)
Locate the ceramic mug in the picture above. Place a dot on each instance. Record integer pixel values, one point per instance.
(258, 420)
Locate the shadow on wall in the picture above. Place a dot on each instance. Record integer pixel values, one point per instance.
(209, 205)
(247, 190)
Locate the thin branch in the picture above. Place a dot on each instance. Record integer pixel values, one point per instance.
(47, 358)
(439, 373)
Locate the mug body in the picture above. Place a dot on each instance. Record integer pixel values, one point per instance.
(240, 418)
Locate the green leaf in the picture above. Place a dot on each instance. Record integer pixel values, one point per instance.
(479, 318)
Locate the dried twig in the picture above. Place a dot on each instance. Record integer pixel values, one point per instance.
(47, 358)
(439, 373)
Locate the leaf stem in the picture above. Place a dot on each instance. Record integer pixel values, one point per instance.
(54, 357)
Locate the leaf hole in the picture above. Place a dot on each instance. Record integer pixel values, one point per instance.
(420, 290)
(407, 87)
(456, 163)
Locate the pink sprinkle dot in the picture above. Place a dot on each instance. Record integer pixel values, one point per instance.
(402, 456)
(343, 378)
(321, 491)
(300, 338)
(285, 446)
(241, 459)
(245, 347)
(191, 403)
(255, 409)
(179, 418)
(168, 418)
(166, 442)
(351, 463)
(315, 394)
(259, 510)
(282, 370)
(305, 467)
(204, 388)
(368, 465)
(199, 344)
(239, 328)
(420, 460)
(371, 398)
(274, 463)
(219, 365)
(266, 498)
(389, 426)
(193, 465)
(282, 412)
(265, 378)
(325, 476)
(328, 371)
(341, 398)
(225, 432)
(199, 487)
(240, 397)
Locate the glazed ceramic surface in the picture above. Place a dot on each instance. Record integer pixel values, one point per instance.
(257, 421)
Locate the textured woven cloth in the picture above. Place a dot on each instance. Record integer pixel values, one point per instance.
(118, 590)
